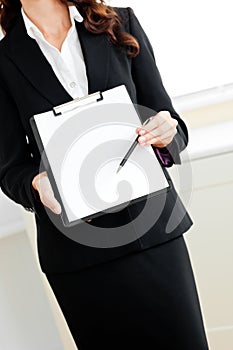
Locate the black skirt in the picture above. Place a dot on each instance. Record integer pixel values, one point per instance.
(145, 300)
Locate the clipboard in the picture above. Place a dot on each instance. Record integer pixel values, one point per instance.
(82, 143)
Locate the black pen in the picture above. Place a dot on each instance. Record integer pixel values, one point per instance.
(134, 144)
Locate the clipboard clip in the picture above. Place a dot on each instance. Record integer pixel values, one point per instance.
(77, 102)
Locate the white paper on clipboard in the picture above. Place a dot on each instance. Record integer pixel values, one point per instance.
(108, 129)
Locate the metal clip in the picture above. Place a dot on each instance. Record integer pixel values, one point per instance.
(77, 102)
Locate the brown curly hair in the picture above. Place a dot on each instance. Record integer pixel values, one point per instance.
(98, 18)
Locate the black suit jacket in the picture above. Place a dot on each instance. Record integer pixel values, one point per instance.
(29, 86)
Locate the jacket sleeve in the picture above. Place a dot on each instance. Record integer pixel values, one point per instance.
(17, 168)
(152, 94)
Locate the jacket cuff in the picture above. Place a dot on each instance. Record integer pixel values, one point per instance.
(32, 193)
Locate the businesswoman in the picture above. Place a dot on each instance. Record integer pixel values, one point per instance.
(123, 297)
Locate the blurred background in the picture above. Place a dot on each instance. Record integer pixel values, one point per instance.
(192, 46)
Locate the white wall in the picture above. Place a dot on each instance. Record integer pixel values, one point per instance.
(10, 216)
(191, 40)
(210, 242)
(26, 319)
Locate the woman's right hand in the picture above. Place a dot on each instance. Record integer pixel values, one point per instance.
(42, 184)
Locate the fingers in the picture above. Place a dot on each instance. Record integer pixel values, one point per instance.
(162, 140)
(42, 184)
(159, 131)
(48, 199)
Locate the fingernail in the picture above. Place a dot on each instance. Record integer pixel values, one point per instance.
(57, 210)
(142, 132)
(142, 139)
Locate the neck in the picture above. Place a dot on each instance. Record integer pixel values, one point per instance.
(50, 16)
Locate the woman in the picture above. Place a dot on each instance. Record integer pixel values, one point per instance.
(52, 52)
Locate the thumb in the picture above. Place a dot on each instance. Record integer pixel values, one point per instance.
(44, 188)
(56, 207)
(50, 201)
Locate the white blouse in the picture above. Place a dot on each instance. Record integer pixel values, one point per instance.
(68, 64)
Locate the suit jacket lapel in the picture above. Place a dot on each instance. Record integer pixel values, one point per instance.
(96, 51)
(28, 57)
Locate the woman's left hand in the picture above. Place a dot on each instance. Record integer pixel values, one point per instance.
(160, 130)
